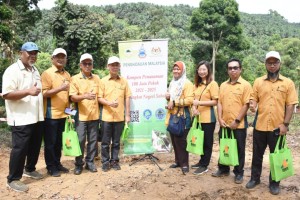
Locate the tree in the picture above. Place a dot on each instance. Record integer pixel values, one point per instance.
(218, 21)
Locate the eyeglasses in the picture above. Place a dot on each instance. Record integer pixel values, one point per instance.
(87, 64)
(276, 64)
(233, 68)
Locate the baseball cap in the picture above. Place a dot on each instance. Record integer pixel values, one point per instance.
(86, 56)
(29, 46)
(113, 59)
(58, 51)
(273, 54)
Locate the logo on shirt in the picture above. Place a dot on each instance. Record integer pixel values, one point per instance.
(160, 113)
(147, 114)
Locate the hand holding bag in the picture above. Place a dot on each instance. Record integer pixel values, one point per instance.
(71, 146)
(228, 149)
(195, 139)
(176, 124)
(281, 161)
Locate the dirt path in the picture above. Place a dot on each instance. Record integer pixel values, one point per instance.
(144, 180)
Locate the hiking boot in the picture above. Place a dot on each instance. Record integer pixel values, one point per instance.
(200, 170)
(62, 169)
(33, 174)
(17, 186)
(78, 170)
(219, 173)
(116, 166)
(196, 166)
(105, 166)
(91, 167)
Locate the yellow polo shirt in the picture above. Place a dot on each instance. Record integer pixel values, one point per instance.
(111, 90)
(209, 92)
(186, 99)
(54, 107)
(87, 110)
(272, 97)
(233, 97)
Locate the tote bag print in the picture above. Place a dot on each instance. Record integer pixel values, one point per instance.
(281, 161)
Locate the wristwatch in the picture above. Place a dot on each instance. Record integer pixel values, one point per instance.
(286, 124)
(237, 121)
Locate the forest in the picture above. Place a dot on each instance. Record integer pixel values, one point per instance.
(97, 30)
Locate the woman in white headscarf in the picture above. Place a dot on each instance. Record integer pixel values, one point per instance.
(180, 96)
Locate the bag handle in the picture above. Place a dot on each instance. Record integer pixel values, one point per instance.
(232, 135)
(224, 133)
(68, 124)
(283, 144)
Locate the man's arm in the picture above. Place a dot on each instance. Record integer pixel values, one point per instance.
(289, 109)
(127, 104)
(240, 116)
(219, 111)
(17, 95)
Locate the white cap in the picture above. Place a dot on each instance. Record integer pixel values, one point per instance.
(113, 59)
(86, 56)
(58, 51)
(273, 54)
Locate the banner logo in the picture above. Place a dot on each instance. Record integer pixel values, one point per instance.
(142, 52)
(147, 114)
(156, 51)
(160, 114)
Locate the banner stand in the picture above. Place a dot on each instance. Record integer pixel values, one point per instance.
(150, 157)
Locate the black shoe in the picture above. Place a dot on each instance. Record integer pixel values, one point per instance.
(91, 167)
(274, 189)
(62, 169)
(238, 179)
(105, 167)
(252, 183)
(115, 166)
(196, 166)
(200, 170)
(185, 170)
(219, 173)
(175, 165)
(77, 170)
(54, 173)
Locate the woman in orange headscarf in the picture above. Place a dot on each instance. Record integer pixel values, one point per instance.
(180, 98)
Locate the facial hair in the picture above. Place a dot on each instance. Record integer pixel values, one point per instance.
(273, 75)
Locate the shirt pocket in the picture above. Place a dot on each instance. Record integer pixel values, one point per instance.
(281, 92)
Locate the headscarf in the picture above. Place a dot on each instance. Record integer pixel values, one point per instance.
(176, 86)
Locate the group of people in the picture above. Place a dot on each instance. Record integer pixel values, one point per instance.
(273, 98)
(36, 109)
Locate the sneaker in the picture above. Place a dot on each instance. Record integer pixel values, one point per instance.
(105, 167)
(274, 189)
(219, 173)
(17, 186)
(196, 166)
(200, 170)
(33, 174)
(54, 173)
(115, 166)
(238, 179)
(62, 169)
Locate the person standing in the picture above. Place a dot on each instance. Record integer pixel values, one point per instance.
(21, 89)
(232, 108)
(274, 96)
(115, 97)
(180, 97)
(55, 81)
(84, 92)
(206, 97)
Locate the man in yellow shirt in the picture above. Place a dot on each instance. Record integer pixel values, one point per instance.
(55, 81)
(274, 96)
(115, 98)
(232, 109)
(84, 92)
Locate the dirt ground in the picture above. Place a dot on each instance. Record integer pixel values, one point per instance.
(144, 180)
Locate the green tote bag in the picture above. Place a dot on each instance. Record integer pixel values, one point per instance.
(228, 149)
(70, 143)
(281, 161)
(195, 139)
(125, 132)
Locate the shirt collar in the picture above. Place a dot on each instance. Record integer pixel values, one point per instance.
(237, 81)
(22, 67)
(56, 70)
(267, 78)
(109, 77)
(86, 77)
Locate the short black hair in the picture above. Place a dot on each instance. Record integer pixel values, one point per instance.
(232, 60)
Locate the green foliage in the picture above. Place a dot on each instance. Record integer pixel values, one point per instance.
(43, 62)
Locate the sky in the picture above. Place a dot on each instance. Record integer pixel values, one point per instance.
(289, 9)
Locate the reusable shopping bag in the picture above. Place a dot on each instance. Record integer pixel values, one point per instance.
(71, 146)
(228, 149)
(281, 161)
(125, 132)
(195, 139)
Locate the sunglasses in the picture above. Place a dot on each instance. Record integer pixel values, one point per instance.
(87, 64)
(233, 68)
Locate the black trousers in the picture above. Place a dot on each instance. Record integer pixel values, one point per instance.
(208, 129)
(111, 135)
(260, 141)
(179, 145)
(26, 145)
(240, 136)
(53, 142)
